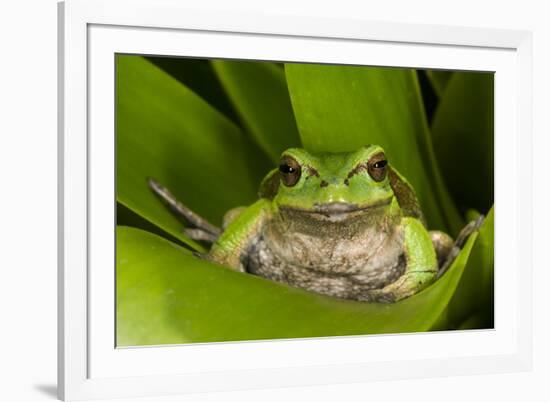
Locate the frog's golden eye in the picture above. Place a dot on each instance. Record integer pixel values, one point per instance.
(290, 171)
(376, 167)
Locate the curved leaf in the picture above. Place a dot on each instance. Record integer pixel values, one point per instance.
(166, 131)
(260, 94)
(199, 76)
(340, 108)
(463, 129)
(167, 296)
(474, 294)
(126, 217)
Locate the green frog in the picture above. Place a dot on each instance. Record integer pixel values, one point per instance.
(347, 225)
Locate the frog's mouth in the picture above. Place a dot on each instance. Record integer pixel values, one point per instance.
(337, 211)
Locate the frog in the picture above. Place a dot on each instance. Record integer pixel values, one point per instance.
(342, 224)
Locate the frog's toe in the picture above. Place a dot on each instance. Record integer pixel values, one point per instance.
(200, 256)
(470, 228)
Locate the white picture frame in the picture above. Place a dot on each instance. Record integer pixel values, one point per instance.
(90, 32)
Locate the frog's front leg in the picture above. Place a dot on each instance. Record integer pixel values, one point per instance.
(420, 264)
(231, 215)
(242, 229)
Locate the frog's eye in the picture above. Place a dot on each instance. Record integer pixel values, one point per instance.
(377, 166)
(290, 171)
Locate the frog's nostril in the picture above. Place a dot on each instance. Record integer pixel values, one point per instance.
(323, 183)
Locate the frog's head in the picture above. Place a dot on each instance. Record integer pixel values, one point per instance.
(331, 184)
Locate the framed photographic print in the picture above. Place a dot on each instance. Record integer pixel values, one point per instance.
(256, 201)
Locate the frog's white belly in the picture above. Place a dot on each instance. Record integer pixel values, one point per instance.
(340, 260)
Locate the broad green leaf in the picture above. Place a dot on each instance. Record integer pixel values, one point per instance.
(439, 80)
(462, 130)
(126, 217)
(260, 94)
(167, 132)
(167, 296)
(340, 108)
(474, 294)
(199, 76)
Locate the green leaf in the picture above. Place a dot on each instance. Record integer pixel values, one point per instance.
(474, 294)
(167, 132)
(341, 108)
(463, 129)
(199, 76)
(126, 217)
(439, 80)
(260, 94)
(167, 296)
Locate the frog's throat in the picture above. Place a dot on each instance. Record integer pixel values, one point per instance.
(338, 211)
